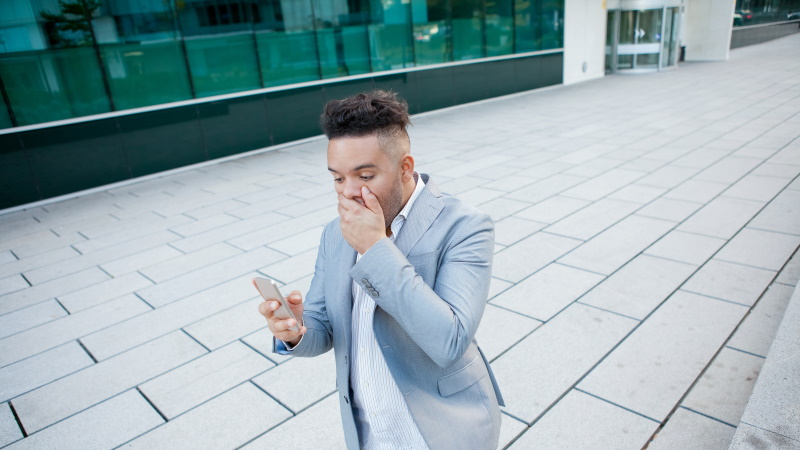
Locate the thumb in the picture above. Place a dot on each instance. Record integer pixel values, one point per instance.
(370, 200)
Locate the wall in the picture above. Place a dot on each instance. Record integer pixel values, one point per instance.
(39, 162)
(708, 29)
(584, 40)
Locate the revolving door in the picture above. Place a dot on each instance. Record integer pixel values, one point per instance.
(642, 39)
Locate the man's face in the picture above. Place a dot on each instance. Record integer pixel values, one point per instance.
(358, 161)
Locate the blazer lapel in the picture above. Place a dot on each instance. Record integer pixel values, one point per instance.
(344, 286)
(425, 210)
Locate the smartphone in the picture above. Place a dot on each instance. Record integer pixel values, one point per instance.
(269, 290)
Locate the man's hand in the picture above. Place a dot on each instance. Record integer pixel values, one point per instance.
(362, 225)
(280, 327)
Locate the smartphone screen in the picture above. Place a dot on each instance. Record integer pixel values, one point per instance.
(269, 291)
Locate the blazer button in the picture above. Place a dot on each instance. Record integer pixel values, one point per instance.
(373, 293)
(366, 284)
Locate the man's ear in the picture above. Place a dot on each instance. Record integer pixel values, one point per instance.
(407, 167)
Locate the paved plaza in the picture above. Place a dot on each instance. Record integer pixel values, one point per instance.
(645, 229)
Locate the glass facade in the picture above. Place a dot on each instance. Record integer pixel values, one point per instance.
(61, 59)
(755, 12)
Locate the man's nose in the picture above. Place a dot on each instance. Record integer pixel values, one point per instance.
(352, 189)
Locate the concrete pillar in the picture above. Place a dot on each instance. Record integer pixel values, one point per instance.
(584, 40)
(708, 28)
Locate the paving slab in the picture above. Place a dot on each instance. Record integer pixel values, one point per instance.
(52, 334)
(103, 292)
(107, 425)
(137, 330)
(790, 274)
(553, 209)
(69, 395)
(202, 379)
(261, 341)
(229, 325)
(722, 217)
(227, 421)
(500, 329)
(696, 191)
(189, 262)
(46, 291)
(722, 392)
(655, 366)
(782, 214)
(593, 219)
(536, 372)
(614, 247)
(687, 429)
(669, 209)
(728, 281)
(31, 373)
(759, 248)
(545, 293)
(581, 421)
(686, 247)
(300, 382)
(639, 287)
(756, 332)
(26, 318)
(529, 255)
(9, 429)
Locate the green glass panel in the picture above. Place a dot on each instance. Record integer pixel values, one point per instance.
(356, 49)
(430, 43)
(142, 75)
(287, 57)
(5, 119)
(467, 39)
(391, 47)
(222, 64)
(52, 85)
(499, 27)
(526, 26)
(551, 24)
(328, 58)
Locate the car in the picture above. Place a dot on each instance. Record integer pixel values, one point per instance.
(793, 15)
(742, 17)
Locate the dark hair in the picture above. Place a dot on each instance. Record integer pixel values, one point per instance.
(375, 112)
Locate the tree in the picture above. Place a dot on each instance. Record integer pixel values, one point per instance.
(73, 25)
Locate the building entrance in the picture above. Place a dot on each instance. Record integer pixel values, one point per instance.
(642, 36)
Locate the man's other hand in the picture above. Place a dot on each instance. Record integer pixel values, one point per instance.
(362, 225)
(280, 327)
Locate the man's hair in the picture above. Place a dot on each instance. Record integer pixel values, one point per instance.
(377, 112)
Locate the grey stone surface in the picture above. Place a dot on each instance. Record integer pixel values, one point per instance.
(638, 193)
(189, 262)
(669, 209)
(775, 399)
(721, 217)
(510, 428)
(228, 325)
(729, 281)
(756, 332)
(12, 284)
(136, 261)
(317, 427)
(764, 249)
(227, 421)
(689, 430)
(74, 393)
(748, 437)
(724, 388)
(300, 382)
(38, 370)
(261, 341)
(652, 369)
(103, 426)
(529, 255)
(293, 268)
(158, 322)
(782, 214)
(617, 245)
(45, 291)
(57, 332)
(601, 185)
(548, 291)
(553, 209)
(696, 191)
(9, 429)
(580, 421)
(501, 329)
(30, 317)
(790, 274)
(535, 373)
(214, 274)
(593, 219)
(102, 292)
(639, 287)
(197, 381)
(759, 188)
(686, 247)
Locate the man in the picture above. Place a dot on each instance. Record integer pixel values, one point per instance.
(399, 288)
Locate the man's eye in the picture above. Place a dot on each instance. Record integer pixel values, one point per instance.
(366, 177)
(337, 180)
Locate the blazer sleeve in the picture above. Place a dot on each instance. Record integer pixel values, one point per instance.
(318, 338)
(442, 320)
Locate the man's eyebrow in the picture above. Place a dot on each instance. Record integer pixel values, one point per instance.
(355, 169)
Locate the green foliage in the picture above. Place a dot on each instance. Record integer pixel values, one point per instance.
(72, 26)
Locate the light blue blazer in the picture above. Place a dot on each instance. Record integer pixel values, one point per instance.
(430, 287)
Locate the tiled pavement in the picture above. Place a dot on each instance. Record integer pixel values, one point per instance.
(645, 229)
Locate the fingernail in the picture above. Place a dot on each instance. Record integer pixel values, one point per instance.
(367, 189)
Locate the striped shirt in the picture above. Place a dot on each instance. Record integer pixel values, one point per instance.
(381, 413)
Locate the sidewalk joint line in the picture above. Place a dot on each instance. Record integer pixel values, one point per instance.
(616, 404)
